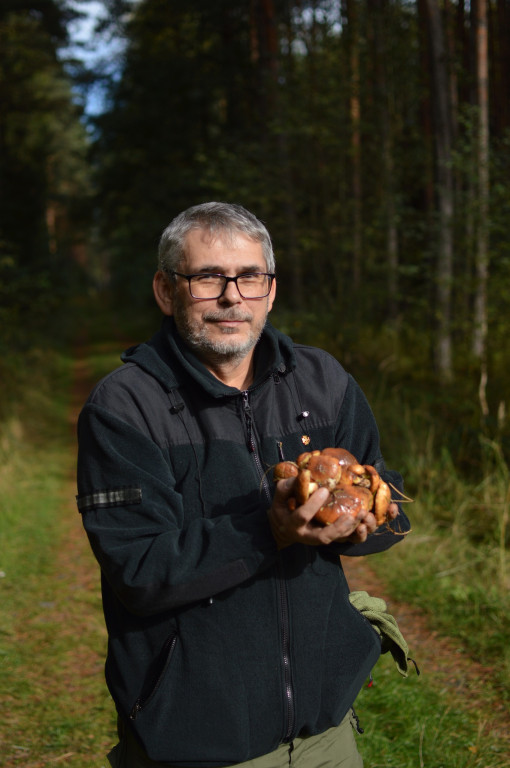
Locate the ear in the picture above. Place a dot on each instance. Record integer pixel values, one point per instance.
(271, 297)
(163, 292)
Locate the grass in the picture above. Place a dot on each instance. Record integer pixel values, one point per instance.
(34, 460)
(55, 707)
(415, 722)
(455, 564)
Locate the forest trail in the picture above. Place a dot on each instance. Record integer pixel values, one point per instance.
(440, 659)
(64, 624)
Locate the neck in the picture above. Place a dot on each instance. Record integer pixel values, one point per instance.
(233, 373)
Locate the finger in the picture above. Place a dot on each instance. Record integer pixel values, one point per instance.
(360, 534)
(307, 511)
(343, 528)
(393, 511)
(369, 522)
(284, 489)
(287, 526)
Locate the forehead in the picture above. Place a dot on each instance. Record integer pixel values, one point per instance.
(222, 251)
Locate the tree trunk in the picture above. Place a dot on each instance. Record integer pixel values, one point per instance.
(269, 48)
(426, 112)
(378, 10)
(482, 155)
(501, 86)
(355, 117)
(443, 146)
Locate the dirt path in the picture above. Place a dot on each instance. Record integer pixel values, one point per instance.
(440, 658)
(48, 722)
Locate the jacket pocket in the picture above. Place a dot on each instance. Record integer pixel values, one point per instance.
(367, 622)
(155, 675)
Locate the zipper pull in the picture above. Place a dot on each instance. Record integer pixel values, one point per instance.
(136, 709)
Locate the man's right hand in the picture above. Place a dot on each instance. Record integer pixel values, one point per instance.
(291, 527)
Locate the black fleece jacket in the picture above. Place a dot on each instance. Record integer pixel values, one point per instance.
(220, 646)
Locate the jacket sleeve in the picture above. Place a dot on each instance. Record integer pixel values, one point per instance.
(134, 519)
(358, 432)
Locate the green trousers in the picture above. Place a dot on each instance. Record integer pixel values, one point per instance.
(335, 748)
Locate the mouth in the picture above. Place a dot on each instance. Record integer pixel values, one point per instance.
(228, 326)
(227, 321)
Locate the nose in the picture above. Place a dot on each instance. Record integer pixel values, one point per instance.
(231, 294)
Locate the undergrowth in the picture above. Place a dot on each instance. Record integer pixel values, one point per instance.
(454, 565)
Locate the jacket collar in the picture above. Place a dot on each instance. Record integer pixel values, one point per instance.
(167, 358)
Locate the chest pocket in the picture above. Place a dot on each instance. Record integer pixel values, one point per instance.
(208, 454)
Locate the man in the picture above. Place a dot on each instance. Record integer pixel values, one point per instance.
(231, 636)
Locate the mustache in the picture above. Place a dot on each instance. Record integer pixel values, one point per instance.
(223, 316)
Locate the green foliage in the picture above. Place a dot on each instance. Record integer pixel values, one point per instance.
(393, 368)
(258, 104)
(43, 172)
(217, 101)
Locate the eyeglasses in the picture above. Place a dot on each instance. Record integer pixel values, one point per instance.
(251, 285)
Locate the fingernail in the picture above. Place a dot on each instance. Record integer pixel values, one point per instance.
(324, 494)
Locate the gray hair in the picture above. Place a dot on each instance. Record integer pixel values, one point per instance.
(227, 218)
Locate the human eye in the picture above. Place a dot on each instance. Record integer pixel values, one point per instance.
(208, 279)
(251, 278)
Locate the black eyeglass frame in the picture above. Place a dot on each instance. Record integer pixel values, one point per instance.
(270, 275)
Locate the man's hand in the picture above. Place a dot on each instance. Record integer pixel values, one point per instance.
(297, 526)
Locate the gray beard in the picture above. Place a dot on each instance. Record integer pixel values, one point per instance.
(218, 350)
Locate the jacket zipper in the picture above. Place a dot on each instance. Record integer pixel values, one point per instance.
(282, 586)
(252, 446)
(248, 420)
(285, 634)
(144, 698)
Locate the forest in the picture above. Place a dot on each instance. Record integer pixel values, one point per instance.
(372, 137)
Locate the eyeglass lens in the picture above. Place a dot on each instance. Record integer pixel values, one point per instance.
(253, 285)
